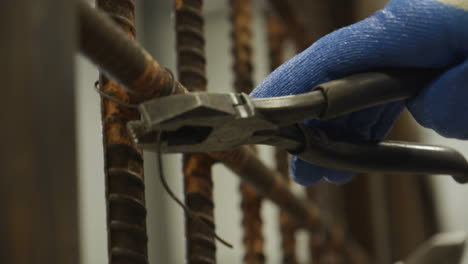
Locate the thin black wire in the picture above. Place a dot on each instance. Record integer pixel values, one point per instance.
(111, 98)
(188, 212)
(97, 88)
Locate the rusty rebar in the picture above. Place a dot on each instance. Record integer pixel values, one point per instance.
(251, 202)
(123, 162)
(125, 193)
(276, 45)
(295, 22)
(241, 37)
(198, 189)
(198, 184)
(119, 57)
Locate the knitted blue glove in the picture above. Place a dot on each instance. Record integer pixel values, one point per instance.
(406, 33)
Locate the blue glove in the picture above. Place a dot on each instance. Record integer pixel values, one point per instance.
(406, 33)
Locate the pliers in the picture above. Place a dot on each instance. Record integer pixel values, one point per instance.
(207, 122)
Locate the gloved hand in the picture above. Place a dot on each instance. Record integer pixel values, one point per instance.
(406, 33)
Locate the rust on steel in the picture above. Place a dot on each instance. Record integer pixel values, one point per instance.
(198, 184)
(276, 40)
(198, 189)
(125, 188)
(295, 22)
(120, 58)
(251, 201)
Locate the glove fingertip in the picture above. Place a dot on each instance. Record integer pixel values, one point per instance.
(305, 173)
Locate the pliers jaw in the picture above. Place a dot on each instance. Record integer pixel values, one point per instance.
(197, 122)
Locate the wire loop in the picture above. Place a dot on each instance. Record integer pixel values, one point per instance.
(188, 212)
(111, 98)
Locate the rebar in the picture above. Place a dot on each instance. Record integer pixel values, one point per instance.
(251, 202)
(241, 36)
(276, 40)
(295, 21)
(198, 183)
(125, 192)
(198, 189)
(119, 57)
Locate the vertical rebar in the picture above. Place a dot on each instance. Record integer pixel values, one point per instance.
(198, 189)
(198, 184)
(329, 247)
(125, 195)
(276, 40)
(121, 58)
(241, 33)
(295, 21)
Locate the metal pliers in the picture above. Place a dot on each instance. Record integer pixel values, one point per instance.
(206, 122)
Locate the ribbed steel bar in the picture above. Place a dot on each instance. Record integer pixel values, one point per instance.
(330, 248)
(295, 21)
(241, 36)
(119, 57)
(251, 201)
(198, 189)
(125, 193)
(198, 184)
(276, 39)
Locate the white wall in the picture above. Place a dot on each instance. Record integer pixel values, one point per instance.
(93, 240)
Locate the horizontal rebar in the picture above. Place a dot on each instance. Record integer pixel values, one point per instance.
(123, 166)
(121, 58)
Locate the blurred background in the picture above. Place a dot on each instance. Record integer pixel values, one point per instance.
(388, 214)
